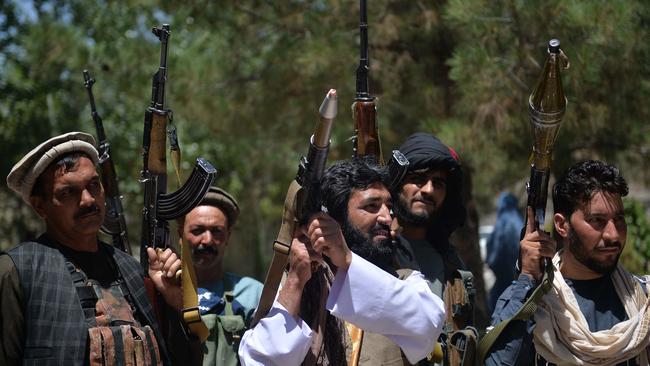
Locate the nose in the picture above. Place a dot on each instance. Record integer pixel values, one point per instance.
(87, 198)
(384, 215)
(427, 187)
(207, 237)
(611, 233)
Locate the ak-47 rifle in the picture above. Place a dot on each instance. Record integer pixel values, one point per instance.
(366, 142)
(159, 206)
(546, 106)
(114, 222)
(364, 109)
(302, 200)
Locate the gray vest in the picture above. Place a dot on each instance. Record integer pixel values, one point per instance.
(56, 331)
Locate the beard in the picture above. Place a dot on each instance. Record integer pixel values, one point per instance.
(582, 255)
(406, 216)
(380, 254)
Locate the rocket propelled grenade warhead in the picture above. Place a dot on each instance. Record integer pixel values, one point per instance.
(327, 111)
(546, 106)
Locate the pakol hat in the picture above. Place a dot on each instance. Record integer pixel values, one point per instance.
(221, 199)
(24, 174)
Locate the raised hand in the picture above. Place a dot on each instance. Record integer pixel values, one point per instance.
(535, 245)
(163, 269)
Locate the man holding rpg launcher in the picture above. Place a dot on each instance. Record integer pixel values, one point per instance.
(595, 313)
(341, 270)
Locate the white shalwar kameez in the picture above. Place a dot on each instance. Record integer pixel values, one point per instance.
(405, 311)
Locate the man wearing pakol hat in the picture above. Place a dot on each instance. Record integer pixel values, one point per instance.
(226, 301)
(67, 298)
(596, 312)
(429, 208)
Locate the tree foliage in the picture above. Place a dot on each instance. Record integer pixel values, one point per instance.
(246, 79)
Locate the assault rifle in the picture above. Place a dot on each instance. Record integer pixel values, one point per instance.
(546, 106)
(114, 222)
(301, 201)
(159, 206)
(364, 109)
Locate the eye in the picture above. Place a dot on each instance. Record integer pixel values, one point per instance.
(597, 222)
(64, 193)
(439, 183)
(94, 186)
(417, 179)
(620, 222)
(372, 207)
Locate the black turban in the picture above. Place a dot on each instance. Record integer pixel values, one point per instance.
(423, 150)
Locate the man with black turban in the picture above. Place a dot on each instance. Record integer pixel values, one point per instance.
(428, 207)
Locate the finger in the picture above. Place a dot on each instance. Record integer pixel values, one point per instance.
(170, 262)
(548, 250)
(318, 215)
(153, 256)
(173, 268)
(164, 255)
(530, 220)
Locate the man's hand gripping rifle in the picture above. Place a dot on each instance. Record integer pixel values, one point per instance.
(301, 201)
(159, 206)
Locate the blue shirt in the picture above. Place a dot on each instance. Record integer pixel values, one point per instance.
(596, 298)
(246, 295)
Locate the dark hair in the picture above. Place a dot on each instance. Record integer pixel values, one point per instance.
(341, 178)
(66, 162)
(582, 181)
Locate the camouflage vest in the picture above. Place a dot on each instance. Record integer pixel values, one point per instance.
(225, 332)
(458, 340)
(56, 331)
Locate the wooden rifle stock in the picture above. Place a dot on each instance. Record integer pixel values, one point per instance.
(159, 206)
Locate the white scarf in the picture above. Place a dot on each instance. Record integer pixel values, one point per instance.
(562, 335)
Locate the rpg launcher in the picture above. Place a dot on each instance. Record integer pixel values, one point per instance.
(114, 221)
(546, 106)
(302, 200)
(159, 206)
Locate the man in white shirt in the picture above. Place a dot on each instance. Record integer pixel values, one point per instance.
(353, 238)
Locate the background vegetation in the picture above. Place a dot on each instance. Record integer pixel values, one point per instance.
(246, 79)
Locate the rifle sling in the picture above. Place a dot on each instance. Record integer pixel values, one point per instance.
(281, 249)
(525, 312)
(191, 314)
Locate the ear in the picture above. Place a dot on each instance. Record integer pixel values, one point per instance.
(38, 204)
(561, 225)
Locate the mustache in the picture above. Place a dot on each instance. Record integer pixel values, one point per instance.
(204, 249)
(613, 244)
(379, 227)
(421, 198)
(86, 211)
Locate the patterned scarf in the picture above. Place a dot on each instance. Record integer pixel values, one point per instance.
(562, 335)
